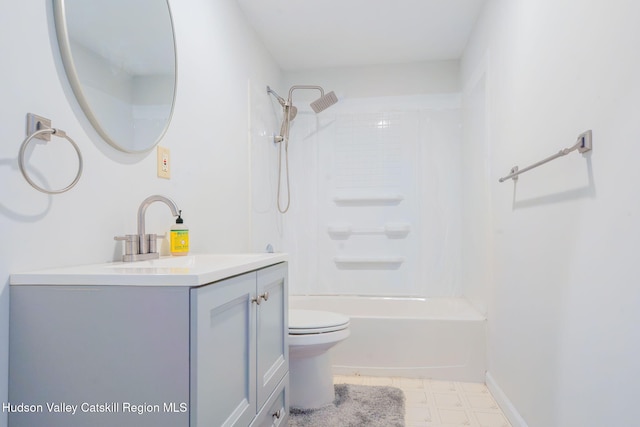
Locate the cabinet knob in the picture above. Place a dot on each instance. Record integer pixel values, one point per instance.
(277, 414)
(257, 299)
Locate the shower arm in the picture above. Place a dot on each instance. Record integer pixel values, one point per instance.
(280, 99)
(289, 102)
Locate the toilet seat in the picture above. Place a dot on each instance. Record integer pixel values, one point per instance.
(306, 322)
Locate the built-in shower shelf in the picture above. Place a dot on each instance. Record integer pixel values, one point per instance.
(368, 263)
(390, 230)
(368, 200)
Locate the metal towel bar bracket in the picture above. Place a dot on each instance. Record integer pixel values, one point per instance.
(583, 144)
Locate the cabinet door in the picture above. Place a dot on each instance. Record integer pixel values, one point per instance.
(223, 375)
(272, 330)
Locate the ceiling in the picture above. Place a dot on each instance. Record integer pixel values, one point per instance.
(308, 34)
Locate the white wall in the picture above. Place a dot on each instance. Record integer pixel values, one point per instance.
(219, 58)
(563, 303)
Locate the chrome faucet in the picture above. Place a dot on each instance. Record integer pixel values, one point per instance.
(143, 246)
(145, 240)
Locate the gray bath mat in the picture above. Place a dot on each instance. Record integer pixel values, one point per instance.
(355, 406)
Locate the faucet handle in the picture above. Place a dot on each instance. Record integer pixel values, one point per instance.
(130, 243)
(153, 242)
(126, 237)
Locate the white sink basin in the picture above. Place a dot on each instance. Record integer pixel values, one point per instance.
(190, 270)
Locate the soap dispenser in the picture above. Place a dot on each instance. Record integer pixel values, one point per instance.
(179, 237)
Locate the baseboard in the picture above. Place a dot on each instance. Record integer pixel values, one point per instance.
(503, 401)
(447, 373)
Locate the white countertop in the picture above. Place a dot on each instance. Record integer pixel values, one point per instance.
(190, 270)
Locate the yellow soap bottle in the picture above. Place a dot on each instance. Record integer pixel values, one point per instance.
(179, 237)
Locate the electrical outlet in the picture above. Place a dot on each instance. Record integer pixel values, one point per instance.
(164, 164)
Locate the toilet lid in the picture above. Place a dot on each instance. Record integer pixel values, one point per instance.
(315, 322)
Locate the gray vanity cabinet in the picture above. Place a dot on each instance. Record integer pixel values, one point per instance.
(136, 356)
(240, 350)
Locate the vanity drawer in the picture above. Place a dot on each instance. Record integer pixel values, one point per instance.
(276, 411)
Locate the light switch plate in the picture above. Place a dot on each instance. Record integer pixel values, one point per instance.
(164, 163)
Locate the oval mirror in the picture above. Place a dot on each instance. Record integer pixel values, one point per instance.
(119, 56)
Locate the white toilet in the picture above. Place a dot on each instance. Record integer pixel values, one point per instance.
(311, 334)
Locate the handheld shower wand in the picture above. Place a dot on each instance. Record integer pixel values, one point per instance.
(289, 113)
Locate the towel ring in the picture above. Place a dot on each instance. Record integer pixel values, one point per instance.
(59, 133)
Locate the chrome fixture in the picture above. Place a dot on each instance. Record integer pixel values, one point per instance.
(40, 128)
(264, 296)
(583, 144)
(143, 246)
(289, 113)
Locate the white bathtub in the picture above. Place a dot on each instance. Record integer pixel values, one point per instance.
(440, 338)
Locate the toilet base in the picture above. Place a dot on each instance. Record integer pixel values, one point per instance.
(311, 381)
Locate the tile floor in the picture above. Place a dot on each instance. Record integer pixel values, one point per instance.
(431, 403)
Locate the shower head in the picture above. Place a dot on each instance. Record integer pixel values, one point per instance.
(324, 102)
(290, 111)
(320, 104)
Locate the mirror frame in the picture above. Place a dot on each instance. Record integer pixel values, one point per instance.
(60, 21)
